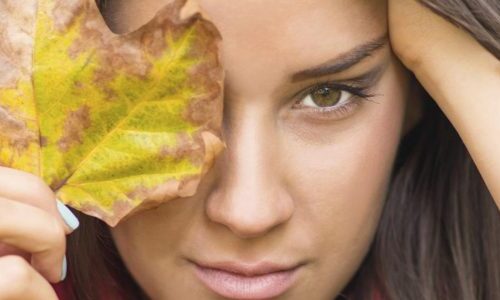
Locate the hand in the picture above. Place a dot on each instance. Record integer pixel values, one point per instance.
(421, 38)
(32, 224)
(460, 75)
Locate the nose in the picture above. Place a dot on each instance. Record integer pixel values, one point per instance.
(251, 197)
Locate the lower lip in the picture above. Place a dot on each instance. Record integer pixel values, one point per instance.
(241, 287)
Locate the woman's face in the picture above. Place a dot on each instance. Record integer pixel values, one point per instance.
(304, 176)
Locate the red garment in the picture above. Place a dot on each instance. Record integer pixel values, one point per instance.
(63, 290)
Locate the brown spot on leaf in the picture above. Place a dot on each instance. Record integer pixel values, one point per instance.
(114, 53)
(14, 131)
(203, 110)
(119, 210)
(186, 148)
(65, 13)
(16, 41)
(10, 73)
(172, 189)
(162, 192)
(206, 78)
(43, 141)
(74, 126)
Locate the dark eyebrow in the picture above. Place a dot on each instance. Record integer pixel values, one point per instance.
(342, 62)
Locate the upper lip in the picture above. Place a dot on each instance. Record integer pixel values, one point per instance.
(247, 269)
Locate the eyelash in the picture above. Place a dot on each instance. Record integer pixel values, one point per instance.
(357, 94)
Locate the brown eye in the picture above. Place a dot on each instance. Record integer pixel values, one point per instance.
(325, 96)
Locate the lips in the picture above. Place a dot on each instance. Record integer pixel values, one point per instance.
(246, 281)
(247, 269)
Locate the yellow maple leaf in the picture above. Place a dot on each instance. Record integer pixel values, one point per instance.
(114, 124)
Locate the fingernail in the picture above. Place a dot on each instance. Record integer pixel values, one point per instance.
(64, 268)
(68, 217)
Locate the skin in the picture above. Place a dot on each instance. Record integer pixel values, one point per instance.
(287, 188)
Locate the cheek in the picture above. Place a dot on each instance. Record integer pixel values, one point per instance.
(339, 183)
(149, 242)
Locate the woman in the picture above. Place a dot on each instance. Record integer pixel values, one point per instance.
(341, 176)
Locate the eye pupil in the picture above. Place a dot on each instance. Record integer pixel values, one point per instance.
(325, 97)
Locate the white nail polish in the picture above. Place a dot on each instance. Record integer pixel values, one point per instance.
(64, 270)
(67, 215)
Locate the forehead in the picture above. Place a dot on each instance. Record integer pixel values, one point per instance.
(295, 15)
(291, 35)
(272, 23)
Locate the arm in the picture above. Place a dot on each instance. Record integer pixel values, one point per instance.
(461, 75)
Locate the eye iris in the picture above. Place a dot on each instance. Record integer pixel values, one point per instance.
(324, 97)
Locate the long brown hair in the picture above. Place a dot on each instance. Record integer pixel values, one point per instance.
(438, 237)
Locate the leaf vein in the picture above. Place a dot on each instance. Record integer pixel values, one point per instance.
(120, 123)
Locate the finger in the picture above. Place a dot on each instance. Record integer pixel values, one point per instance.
(33, 230)
(30, 189)
(19, 281)
(9, 250)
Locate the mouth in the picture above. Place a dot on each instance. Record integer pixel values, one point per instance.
(243, 281)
